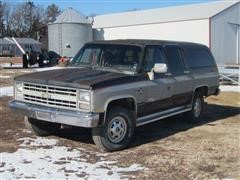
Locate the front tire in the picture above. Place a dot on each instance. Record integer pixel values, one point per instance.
(42, 128)
(117, 131)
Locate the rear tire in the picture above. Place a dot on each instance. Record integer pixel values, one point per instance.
(117, 131)
(42, 128)
(196, 113)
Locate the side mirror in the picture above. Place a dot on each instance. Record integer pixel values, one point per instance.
(160, 68)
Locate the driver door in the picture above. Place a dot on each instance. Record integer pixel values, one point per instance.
(159, 90)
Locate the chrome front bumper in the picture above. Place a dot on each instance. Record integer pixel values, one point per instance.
(74, 118)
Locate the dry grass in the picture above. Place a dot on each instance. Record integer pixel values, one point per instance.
(169, 149)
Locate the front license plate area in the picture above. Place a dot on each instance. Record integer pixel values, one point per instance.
(43, 116)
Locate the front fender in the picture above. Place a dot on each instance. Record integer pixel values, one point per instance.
(119, 97)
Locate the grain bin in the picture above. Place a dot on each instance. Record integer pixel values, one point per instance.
(69, 32)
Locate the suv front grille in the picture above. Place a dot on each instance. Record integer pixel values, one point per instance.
(58, 97)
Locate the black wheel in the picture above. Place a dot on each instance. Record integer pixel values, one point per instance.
(116, 132)
(42, 128)
(196, 113)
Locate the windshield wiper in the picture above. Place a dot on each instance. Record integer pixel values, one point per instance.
(96, 67)
(79, 65)
(113, 68)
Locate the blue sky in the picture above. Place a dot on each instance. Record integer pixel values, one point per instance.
(88, 7)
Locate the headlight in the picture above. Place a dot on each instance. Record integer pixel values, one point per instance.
(19, 87)
(18, 90)
(84, 100)
(84, 96)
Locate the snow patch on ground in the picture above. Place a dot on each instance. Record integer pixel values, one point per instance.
(26, 71)
(8, 65)
(10, 72)
(37, 142)
(4, 77)
(41, 158)
(228, 88)
(6, 91)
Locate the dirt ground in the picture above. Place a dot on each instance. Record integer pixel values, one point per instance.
(7, 75)
(169, 149)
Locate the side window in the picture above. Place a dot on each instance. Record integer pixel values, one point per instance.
(130, 58)
(153, 55)
(175, 63)
(6, 48)
(198, 57)
(124, 57)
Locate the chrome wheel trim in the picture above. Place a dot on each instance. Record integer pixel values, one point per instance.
(197, 107)
(117, 129)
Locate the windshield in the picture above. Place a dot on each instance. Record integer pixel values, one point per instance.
(118, 57)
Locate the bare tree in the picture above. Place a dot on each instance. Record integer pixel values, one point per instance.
(52, 12)
(17, 22)
(39, 26)
(2, 11)
(26, 19)
(7, 16)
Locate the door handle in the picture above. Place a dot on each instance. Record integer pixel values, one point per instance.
(186, 72)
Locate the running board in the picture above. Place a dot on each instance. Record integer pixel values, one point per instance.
(161, 115)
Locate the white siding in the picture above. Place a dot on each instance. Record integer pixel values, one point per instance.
(238, 53)
(225, 36)
(192, 31)
(160, 15)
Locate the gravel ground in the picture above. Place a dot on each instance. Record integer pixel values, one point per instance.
(7, 75)
(168, 149)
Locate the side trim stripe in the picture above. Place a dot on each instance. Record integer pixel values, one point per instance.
(161, 115)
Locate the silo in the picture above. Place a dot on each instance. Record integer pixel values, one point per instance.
(69, 32)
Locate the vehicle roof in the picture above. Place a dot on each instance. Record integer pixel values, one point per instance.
(145, 42)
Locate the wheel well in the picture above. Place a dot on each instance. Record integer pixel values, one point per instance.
(127, 103)
(203, 90)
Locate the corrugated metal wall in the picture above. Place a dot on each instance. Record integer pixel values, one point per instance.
(73, 34)
(53, 38)
(225, 43)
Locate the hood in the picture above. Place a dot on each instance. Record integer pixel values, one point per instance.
(83, 78)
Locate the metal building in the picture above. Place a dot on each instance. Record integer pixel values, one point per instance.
(68, 33)
(215, 24)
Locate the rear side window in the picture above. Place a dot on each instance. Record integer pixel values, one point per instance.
(175, 61)
(199, 57)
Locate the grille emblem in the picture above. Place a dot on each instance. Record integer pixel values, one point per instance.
(45, 95)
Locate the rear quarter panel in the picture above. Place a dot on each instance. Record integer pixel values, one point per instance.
(207, 76)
